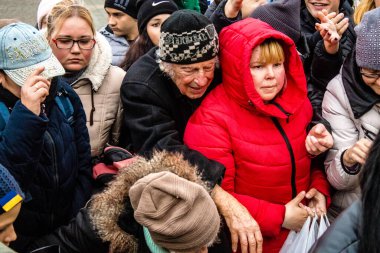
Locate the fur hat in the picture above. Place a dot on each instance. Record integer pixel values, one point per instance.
(283, 15)
(188, 37)
(126, 6)
(10, 192)
(368, 40)
(151, 8)
(172, 209)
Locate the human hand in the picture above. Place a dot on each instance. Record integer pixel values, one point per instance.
(357, 153)
(295, 213)
(232, 8)
(317, 201)
(242, 226)
(318, 140)
(34, 91)
(250, 6)
(331, 28)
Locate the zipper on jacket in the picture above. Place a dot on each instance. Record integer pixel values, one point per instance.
(283, 110)
(292, 158)
(56, 177)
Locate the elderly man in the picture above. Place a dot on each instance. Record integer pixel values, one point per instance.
(161, 91)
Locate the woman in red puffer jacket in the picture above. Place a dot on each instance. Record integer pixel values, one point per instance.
(255, 124)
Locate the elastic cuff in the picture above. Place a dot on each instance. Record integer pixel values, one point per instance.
(352, 170)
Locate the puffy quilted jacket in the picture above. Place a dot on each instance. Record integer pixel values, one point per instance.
(261, 145)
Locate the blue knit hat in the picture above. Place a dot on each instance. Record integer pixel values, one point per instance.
(10, 192)
(368, 40)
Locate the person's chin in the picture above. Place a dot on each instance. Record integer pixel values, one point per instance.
(73, 67)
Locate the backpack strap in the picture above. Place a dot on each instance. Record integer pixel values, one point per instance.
(4, 115)
(65, 105)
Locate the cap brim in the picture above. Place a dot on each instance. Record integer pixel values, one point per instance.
(52, 68)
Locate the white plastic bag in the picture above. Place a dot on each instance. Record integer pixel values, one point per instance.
(299, 239)
(323, 225)
(312, 233)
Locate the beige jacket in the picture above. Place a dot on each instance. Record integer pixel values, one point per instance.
(99, 88)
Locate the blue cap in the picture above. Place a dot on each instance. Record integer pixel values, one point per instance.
(23, 49)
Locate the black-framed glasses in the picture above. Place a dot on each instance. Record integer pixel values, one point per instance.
(85, 44)
(373, 76)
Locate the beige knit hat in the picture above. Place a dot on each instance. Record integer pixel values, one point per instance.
(180, 215)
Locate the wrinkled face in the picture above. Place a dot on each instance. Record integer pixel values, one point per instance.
(7, 232)
(313, 6)
(268, 78)
(73, 28)
(193, 79)
(121, 23)
(153, 27)
(372, 79)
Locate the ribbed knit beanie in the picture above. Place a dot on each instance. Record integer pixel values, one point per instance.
(173, 210)
(126, 6)
(282, 15)
(10, 192)
(188, 37)
(368, 40)
(147, 9)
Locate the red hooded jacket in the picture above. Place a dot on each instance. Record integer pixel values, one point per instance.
(262, 145)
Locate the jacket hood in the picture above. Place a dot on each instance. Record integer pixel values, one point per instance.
(99, 64)
(237, 42)
(106, 207)
(361, 97)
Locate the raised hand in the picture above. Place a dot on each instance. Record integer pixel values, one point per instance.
(34, 91)
(331, 28)
(357, 153)
(318, 140)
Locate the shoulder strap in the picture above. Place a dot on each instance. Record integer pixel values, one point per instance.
(65, 105)
(4, 115)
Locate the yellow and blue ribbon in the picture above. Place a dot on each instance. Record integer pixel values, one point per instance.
(7, 202)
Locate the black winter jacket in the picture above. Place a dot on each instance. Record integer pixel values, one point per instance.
(156, 114)
(50, 158)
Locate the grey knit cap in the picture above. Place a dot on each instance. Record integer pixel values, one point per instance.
(368, 40)
(282, 15)
(173, 209)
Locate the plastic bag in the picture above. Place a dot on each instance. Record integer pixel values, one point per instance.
(301, 242)
(298, 241)
(323, 225)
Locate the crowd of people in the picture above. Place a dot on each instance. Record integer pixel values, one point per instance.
(243, 118)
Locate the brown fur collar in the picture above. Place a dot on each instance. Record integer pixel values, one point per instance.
(105, 207)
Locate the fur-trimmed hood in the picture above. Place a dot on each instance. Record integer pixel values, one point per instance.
(106, 207)
(99, 64)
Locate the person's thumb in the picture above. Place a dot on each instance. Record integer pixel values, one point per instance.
(299, 198)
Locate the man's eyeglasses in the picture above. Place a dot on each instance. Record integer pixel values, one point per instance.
(85, 44)
(372, 76)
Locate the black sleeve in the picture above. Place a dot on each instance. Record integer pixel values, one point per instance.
(78, 236)
(219, 19)
(148, 119)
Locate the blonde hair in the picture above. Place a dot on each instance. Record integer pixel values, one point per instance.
(271, 51)
(64, 10)
(363, 7)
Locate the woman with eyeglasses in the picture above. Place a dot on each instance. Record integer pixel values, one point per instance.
(352, 106)
(86, 57)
